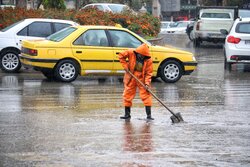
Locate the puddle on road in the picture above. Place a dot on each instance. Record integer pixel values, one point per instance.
(58, 124)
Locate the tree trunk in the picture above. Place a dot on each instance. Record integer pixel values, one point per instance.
(39, 3)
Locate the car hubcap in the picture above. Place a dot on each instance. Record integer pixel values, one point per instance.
(171, 71)
(67, 71)
(10, 61)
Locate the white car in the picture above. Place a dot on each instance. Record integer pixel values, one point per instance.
(237, 43)
(107, 7)
(165, 25)
(178, 27)
(28, 29)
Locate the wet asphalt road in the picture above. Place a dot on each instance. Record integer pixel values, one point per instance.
(45, 123)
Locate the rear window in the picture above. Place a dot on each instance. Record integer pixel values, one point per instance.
(243, 28)
(60, 35)
(60, 26)
(216, 15)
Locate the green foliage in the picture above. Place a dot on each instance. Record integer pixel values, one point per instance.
(54, 4)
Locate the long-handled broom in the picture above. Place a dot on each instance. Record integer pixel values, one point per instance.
(176, 117)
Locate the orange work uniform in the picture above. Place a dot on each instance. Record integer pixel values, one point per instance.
(129, 62)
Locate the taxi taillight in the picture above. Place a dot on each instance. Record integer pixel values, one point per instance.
(33, 52)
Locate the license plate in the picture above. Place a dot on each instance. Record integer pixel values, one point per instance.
(247, 42)
(215, 35)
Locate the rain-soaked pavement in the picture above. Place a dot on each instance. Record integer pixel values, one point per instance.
(45, 123)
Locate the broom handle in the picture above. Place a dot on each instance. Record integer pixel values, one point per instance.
(150, 91)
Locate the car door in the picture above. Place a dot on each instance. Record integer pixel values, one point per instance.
(94, 51)
(35, 30)
(121, 40)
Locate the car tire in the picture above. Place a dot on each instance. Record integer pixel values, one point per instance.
(66, 71)
(227, 65)
(171, 71)
(10, 62)
(196, 43)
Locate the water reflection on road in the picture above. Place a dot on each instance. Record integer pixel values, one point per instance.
(44, 123)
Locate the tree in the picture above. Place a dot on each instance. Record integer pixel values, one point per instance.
(54, 4)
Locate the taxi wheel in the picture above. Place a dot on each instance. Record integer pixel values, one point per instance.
(10, 61)
(171, 71)
(66, 71)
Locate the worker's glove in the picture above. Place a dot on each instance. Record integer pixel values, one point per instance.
(146, 87)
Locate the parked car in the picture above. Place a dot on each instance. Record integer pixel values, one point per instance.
(107, 7)
(178, 27)
(190, 28)
(237, 43)
(209, 22)
(7, 6)
(93, 50)
(165, 25)
(26, 29)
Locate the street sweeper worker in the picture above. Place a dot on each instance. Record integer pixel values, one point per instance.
(138, 61)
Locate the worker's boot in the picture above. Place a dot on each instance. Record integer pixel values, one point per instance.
(148, 112)
(127, 113)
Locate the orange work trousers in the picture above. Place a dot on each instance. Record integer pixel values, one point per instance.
(130, 91)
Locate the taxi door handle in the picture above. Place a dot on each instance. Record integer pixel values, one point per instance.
(78, 51)
(117, 53)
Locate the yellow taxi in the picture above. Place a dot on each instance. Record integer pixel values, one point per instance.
(94, 50)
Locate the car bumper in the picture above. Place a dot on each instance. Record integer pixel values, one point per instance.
(207, 36)
(29, 61)
(236, 55)
(189, 67)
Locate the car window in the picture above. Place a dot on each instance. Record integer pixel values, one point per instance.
(60, 35)
(88, 7)
(216, 15)
(36, 29)
(60, 26)
(23, 32)
(117, 8)
(99, 7)
(244, 13)
(92, 38)
(182, 24)
(243, 28)
(39, 29)
(124, 39)
(164, 25)
(12, 25)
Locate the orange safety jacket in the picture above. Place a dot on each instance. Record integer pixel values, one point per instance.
(128, 61)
